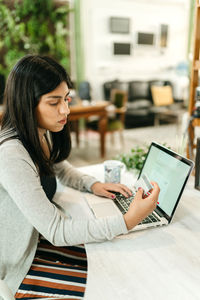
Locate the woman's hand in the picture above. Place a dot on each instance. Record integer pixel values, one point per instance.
(105, 189)
(140, 207)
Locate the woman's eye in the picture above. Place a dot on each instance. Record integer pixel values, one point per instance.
(53, 104)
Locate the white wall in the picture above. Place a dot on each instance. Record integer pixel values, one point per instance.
(145, 62)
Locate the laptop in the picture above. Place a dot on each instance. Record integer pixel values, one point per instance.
(169, 169)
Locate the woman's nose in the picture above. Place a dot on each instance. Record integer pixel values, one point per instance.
(64, 108)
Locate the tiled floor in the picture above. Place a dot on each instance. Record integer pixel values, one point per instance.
(89, 153)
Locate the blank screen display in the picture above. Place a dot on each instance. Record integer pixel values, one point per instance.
(119, 25)
(122, 48)
(145, 38)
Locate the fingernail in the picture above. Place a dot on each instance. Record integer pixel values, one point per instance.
(113, 196)
(158, 202)
(139, 188)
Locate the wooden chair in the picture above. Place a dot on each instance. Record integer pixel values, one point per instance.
(116, 113)
(164, 107)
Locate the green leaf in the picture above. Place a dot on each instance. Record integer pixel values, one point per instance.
(38, 26)
(135, 159)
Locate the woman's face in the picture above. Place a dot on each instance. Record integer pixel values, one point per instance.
(52, 110)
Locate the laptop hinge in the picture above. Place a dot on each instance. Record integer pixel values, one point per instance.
(162, 218)
(158, 212)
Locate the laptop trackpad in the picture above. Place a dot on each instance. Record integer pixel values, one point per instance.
(104, 209)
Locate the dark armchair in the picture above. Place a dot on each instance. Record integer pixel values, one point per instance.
(115, 84)
(139, 104)
(84, 90)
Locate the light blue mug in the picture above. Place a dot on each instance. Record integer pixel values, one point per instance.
(112, 171)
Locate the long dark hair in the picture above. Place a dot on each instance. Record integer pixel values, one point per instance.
(32, 77)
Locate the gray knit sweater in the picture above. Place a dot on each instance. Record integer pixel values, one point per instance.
(25, 211)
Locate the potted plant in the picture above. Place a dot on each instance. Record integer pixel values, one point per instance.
(27, 27)
(135, 159)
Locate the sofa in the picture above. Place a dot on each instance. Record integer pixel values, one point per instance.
(140, 103)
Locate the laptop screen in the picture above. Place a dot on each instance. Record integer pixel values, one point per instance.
(170, 171)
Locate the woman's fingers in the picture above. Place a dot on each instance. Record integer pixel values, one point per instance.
(126, 189)
(108, 189)
(156, 190)
(120, 188)
(139, 194)
(108, 194)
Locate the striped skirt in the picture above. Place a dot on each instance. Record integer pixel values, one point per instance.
(56, 273)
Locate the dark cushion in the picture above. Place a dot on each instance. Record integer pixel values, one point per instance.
(115, 84)
(137, 104)
(84, 90)
(138, 90)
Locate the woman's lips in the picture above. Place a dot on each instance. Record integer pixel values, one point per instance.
(63, 121)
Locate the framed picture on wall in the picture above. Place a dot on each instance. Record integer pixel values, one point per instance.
(119, 25)
(163, 35)
(145, 38)
(121, 48)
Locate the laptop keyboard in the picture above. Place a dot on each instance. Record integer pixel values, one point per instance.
(123, 204)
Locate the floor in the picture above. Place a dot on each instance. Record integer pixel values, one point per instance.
(89, 153)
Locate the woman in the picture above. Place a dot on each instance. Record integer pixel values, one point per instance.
(34, 143)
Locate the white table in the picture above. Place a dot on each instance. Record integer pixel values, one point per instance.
(159, 263)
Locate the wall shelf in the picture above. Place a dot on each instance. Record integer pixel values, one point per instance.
(194, 83)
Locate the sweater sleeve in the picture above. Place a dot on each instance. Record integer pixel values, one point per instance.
(20, 179)
(69, 176)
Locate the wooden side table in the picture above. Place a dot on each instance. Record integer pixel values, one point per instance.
(96, 108)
